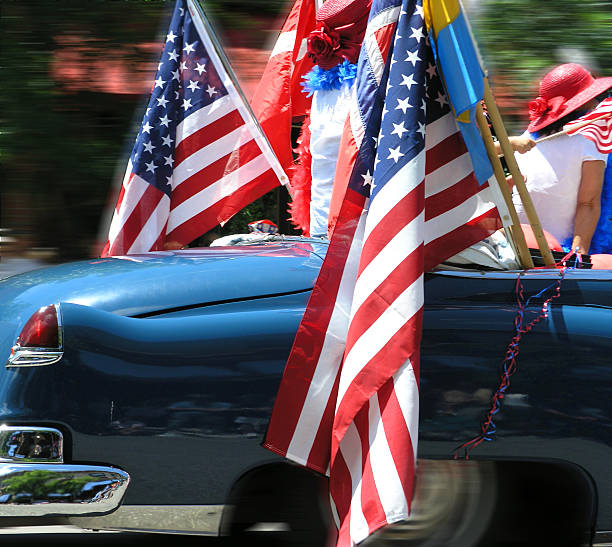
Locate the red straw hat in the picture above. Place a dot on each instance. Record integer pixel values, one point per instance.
(340, 29)
(564, 89)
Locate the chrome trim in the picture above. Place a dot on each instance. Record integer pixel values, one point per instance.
(32, 357)
(37, 357)
(24, 444)
(178, 519)
(38, 490)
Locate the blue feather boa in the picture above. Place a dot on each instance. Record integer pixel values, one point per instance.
(334, 78)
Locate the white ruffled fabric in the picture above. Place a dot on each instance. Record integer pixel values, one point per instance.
(327, 116)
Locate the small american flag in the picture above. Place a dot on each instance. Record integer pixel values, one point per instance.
(595, 126)
(349, 398)
(199, 156)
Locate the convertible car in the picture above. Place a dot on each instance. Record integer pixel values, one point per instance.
(136, 391)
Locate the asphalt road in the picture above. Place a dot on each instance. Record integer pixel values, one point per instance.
(56, 536)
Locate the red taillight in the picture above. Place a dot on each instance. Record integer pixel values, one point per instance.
(41, 330)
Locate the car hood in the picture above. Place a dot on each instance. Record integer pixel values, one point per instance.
(152, 282)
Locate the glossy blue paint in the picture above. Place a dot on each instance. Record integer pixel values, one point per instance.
(176, 357)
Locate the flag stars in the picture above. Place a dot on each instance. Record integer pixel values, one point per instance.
(189, 48)
(183, 66)
(441, 99)
(413, 57)
(395, 154)
(431, 70)
(148, 146)
(199, 69)
(408, 81)
(398, 129)
(193, 85)
(162, 101)
(421, 129)
(417, 33)
(173, 55)
(151, 167)
(211, 91)
(169, 160)
(170, 37)
(159, 82)
(164, 120)
(187, 104)
(167, 141)
(403, 104)
(367, 179)
(418, 10)
(146, 128)
(175, 75)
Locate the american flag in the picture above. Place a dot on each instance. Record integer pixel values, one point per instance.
(199, 156)
(348, 402)
(595, 126)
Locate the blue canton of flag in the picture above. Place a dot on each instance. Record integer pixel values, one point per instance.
(402, 129)
(199, 156)
(185, 82)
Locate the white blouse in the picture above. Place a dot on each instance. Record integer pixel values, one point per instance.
(553, 170)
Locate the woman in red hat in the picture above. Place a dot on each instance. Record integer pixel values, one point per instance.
(565, 174)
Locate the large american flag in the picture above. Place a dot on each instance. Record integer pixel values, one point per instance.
(199, 156)
(348, 402)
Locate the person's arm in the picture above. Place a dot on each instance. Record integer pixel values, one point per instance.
(520, 144)
(588, 206)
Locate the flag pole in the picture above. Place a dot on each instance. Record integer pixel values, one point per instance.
(508, 152)
(575, 127)
(199, 18)
(517, 177)
(516, 232)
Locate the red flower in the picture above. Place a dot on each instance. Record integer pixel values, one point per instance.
(537, 107)
(323, 47)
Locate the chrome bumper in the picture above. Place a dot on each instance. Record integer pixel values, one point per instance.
(34, 481)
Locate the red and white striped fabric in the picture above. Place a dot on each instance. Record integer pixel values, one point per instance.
(595, 126)
(279, 97)
(200, 155)
(348, 402)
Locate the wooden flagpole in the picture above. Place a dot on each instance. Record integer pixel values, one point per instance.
(502, 137)
(516, 232)
(517, 177)
(203, 24)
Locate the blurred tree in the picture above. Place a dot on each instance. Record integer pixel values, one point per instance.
(62, 145)
(520, 40)
(63, 142)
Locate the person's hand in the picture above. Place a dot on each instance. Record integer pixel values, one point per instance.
(522, 144)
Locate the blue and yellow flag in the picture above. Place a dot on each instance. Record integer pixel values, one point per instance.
(461, 73)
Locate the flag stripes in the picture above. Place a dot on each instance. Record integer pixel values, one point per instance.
(599, 126)
(199, 153)
(349, 398)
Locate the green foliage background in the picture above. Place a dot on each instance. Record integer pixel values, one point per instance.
(62, 150)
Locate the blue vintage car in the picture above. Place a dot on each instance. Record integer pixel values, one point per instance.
(136, 392)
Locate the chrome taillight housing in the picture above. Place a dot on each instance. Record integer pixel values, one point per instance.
(40, 340)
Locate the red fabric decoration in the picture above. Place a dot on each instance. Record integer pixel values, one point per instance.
(299, 208)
